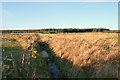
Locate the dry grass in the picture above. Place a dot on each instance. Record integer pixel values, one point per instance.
(99, 52)
(84, 49)
(18, 44)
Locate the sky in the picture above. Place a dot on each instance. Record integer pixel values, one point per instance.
(38, 15)
(60, 0)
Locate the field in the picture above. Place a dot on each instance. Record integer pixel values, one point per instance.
(77, 55)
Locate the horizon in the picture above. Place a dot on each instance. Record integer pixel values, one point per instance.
(39, 15)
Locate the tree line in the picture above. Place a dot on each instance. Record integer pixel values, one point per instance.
(53, 30)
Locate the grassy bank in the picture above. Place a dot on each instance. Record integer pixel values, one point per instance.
(78, 55)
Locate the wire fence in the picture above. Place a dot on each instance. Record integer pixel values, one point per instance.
(18, 66)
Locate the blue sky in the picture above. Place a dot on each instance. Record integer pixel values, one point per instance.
(37, 15)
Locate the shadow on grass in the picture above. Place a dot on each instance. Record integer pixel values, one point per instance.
(66, 67)
(40, 67)
(96, 69)
(14, 53)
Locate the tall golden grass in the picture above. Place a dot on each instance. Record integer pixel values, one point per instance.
(100, 50)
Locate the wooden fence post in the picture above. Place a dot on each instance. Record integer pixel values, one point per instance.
(3, 53)
(23, 59)
(30, 65)
(14, 66)
(12, 59)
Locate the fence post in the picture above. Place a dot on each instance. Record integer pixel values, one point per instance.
(12, 59)
(23, 59)
(14, 66)
(30, 65)
(3, 53)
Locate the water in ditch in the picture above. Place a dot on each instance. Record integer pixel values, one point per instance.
(52, 67)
